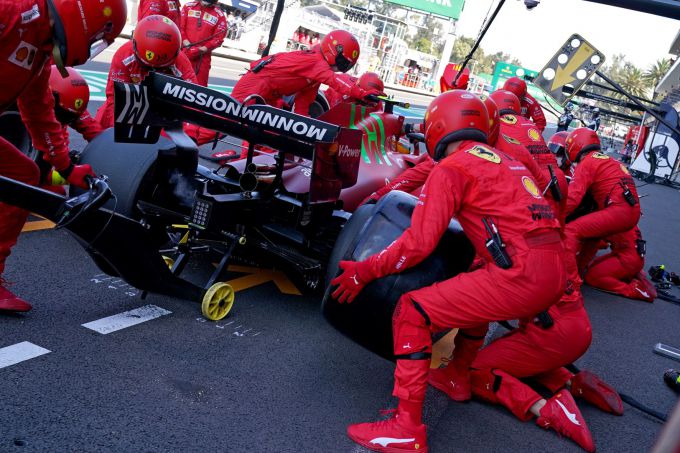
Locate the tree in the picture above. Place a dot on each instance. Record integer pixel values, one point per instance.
(633, 81)
(657, 70)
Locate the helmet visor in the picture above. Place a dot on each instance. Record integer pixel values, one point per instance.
(342, 63)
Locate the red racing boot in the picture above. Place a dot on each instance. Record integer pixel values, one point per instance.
(452, 381)
(394, 435)
(590, 387)
(10, 302)
(562, 415)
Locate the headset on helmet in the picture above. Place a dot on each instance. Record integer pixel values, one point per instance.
(453, 116)
(371, 81)
(494, 119)
(340, 49)
(71, 95)
(557, 145)
(507, 102)
(516, 86)
(82, 28)
(581, 141)
(156, 41)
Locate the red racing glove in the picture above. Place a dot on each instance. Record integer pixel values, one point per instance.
(75, 175)
(359, 93)
(355, 276)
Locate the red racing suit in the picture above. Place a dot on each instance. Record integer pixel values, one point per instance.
(408, 181)
(532, 110)
(86, 126)
(531, 351)
(125, 67)
(300, 72)
(621, 270)
(333, 97)
(515, 132)
(167, 8)
(474, 183)
(25, 49)
(202, 26)
(606, 180)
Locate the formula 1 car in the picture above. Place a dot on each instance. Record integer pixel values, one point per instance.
(283, 209)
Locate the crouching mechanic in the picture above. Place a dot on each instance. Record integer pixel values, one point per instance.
(516, 132)
(492, 199)
(155, 46)
(530, 108)
(71, 96)
(301, 72)
(621, 270)
(33, 31)
(610, 185)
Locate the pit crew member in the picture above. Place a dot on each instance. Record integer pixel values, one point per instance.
(32, 31)
(492, 200)
(203, 27)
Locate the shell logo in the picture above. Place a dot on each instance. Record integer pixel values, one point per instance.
(531, 187)
(149, 55)
(534, 135)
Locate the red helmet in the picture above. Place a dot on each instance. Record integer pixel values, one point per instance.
(580, 141)
(340, 49)
(506, 101)
(83, 28)
(156, 41)
(494, 119)
(516, 86)
(453, 116)
(557, 145)
(71, 94)
(371, 81)
(450, 72)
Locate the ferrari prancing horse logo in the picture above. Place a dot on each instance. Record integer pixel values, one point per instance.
(484, 153)
(509, 119)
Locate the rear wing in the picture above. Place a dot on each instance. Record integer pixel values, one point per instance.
(161, 101)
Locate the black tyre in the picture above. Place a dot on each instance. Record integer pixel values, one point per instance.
(368, 320)
(129, 167)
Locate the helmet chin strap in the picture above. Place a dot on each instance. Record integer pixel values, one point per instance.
(58, 61)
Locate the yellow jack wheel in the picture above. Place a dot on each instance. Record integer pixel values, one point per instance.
(217, 301)
(168, 261)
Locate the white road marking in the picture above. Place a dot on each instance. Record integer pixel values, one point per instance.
(20, 352)
(126, 319)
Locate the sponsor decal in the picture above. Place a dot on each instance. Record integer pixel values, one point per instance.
(30, 15)
(136, 105)
(531, 187)
(166, 20)
(194, 13)
(24, 55)
(467, 96)
(209, 18)
(78, 103)
(346, 151)
(218, 103)
(534, 135)
(509, 119)
(107, 11)
(175, 71)
(599, 156)
(136, 78)
(355, 54)
(484, 153)
(510, 140)
(469, 112)
(541, 211)
(172, 6)
(149, 55)
(159, 35)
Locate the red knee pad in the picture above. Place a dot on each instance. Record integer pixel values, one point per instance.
(411, 330)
